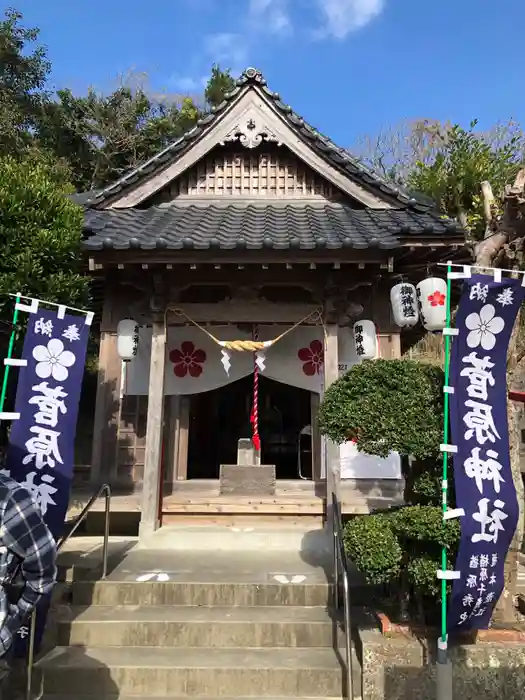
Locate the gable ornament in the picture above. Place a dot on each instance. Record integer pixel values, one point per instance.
(251, 132)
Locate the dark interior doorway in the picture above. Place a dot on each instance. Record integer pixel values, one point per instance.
(220, 417)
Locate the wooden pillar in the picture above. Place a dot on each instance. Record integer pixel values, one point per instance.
(396, 346)
(331, 450)
(184, 436)
(105, 425)
(154, 430)
(176, 439)
(172, 441)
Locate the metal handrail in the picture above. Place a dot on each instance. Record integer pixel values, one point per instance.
(341, 572)
(104, 489)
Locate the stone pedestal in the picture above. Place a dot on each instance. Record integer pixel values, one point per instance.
(247, 479)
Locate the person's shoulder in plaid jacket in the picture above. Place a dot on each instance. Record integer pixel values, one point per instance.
(24, 538)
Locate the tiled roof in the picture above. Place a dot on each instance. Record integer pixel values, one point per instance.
(339, 157)
(253, 226)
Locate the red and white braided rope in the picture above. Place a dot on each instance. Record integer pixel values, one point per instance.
(255, 403)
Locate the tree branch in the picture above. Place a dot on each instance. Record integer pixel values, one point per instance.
(509, 227)
(488, 201)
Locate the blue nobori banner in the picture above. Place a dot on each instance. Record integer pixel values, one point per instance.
(479, 430)
(40, 453)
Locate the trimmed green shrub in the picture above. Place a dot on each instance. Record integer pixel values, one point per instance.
(421, 574)
(425, 524)
(402, 548)
(374, 548)
(386, 405)
(424, 482)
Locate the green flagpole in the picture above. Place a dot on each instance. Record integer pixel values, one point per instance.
(9, 355)
(445, 462)
(444, 675)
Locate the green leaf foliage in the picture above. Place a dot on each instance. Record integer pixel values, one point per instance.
(423, 483)
(97, 136)
(218, 85)
(404, 542)
(445, 163)
(386, 405)
(40, 235)
(24, 69)
(396, 405)
(421, 574)
(374, 548)
(462, 160)
(103, 136)
(425, 524)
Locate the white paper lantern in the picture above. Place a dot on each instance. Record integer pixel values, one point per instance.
(365, 338)
(403, 298)
(127, 339)
(432, 296)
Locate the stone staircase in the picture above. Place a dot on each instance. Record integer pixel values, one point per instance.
(226, 626)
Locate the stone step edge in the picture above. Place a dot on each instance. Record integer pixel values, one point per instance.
(50, 696)
(99, 582)
(46, 664)
(128, 614)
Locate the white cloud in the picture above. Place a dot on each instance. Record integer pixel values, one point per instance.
(188, 83)
(261, 19)
(270, 16)
(341, 17)
(228, 49)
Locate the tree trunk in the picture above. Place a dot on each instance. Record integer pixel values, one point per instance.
(505, 611)
(505, 237)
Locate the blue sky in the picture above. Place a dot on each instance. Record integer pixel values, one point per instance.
(350, 67)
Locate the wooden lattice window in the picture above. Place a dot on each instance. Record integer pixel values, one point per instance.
(269, 171)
